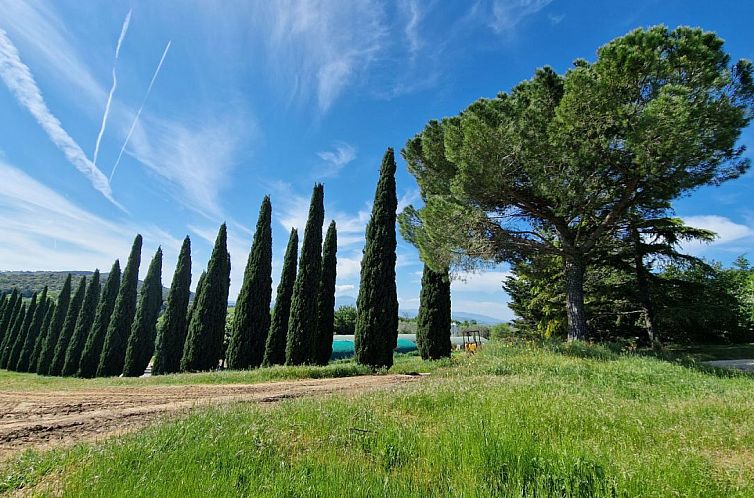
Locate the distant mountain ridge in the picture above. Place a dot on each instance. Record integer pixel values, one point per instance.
(28, 282)
(459, 316)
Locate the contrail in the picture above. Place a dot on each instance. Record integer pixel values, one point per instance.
(123, 30)
(138, 113)
(20, 81)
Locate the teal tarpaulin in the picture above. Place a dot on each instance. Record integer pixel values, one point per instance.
(345, 349)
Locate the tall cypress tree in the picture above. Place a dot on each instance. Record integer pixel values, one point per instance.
(20, 339)
(274, 351)
(114, 349)
(47, 351)
(69, 327)
(44, 329)
(93, 347)
(303, 320)
(144, 329)
(433, 322)
(377, 304)
(251, 322)
(322, 347)
(204, 342)
(83, 326)
(22, 364)
(10, 337)
(172, 333)
(12, 302)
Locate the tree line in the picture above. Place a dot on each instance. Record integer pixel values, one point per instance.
(95, 330)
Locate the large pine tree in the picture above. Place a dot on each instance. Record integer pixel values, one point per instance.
(83, 326)
(10, 337)
(114, 348)
(204, 342)
(20, 339)
(144, 329)
(93, 347)
(303, 320)
(322, 347)
(47, 350)
(12, 303)
(43, 330)
(433, 322)
(377, 304)
(172, 333)
(251, 322)
(69, 327)
(274, 351)
(22, 364)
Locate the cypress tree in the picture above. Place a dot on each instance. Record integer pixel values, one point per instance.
(251, 322)
(47, 350)
(274, 351)
(20, 339)
(322, 347)
(9, 313)
(83, 326)
(35, 327)
(172, 333)
(10, 337)
(44, 329)
(96, 339)
(303, 320)
(204, 342)
(69, 327)
(377, 304)
(433, 322)
(114, 348)
(144, 330)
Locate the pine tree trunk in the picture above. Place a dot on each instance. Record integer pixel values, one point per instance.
(642, 281)
(574, 277)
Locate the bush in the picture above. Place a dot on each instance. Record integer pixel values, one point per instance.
(345, 320)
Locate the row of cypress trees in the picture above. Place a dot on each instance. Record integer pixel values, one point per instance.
(96, 331)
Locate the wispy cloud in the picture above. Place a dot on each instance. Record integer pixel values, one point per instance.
(123, 31)
(335, 159)
(141, 108)
(45, 231)
(731, 236)
(19, 79)
(507, 14)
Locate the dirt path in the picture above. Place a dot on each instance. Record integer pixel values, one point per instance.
(43, 419)
(745, 365)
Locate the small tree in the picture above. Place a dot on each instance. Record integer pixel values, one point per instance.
(114, 348)
(35, 328)
(204, 342)
(433, 322)
(95, 340)
(47, 350)
(10, 337)
(172, 333)
(345, 320)
(20, 340)
(83, 326)
(12, 303)
(303, 319)
(322, 347)
(252, 316)
(69, 326)
(274, 353)
(44, 329)
(141, 341)
(377, 304)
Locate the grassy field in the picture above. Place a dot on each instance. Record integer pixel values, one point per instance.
(711, 352)
(513, 420)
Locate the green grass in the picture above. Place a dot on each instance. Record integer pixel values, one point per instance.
(513, 420)
(14, 381)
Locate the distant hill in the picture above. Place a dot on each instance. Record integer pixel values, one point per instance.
(460, 316)
(29, 282)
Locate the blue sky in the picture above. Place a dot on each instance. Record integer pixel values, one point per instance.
(255, 98)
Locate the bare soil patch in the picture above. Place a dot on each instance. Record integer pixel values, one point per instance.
(37, 419)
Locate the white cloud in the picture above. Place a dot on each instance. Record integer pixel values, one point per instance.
(45, 231)
(336, 159)
(18, 78)
(346, 289)
(730, 235)
(507, 14)
(321, 44)
(488, 282)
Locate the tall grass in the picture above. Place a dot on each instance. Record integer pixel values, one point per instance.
(516, 420)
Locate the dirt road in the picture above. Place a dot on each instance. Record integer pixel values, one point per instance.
(43, 419)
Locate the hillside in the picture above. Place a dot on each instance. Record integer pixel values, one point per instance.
(29, 282)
